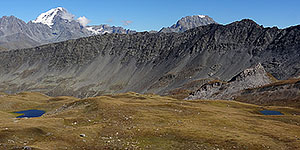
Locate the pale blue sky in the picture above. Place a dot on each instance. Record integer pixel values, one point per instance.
(155, 14)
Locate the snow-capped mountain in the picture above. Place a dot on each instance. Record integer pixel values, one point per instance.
(48, 17)
(189, 22)
(102, 29)
(55, 25)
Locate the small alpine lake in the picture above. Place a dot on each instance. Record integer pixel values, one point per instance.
(271, 112)
(30, 113)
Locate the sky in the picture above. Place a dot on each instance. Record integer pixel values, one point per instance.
(146, 15)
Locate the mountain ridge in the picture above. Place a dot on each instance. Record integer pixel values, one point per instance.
(148, 62)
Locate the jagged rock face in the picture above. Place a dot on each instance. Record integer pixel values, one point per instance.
(64, 30)
(14, 33)
(144, 62)
(283, 53)
(249, 78)
(11, 25)
(188, 22)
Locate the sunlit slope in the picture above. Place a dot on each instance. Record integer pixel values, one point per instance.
(136, 121)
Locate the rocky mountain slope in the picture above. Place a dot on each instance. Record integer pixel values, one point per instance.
(249, 78)
(15, 33)
(144, 62)
(188, 22)
(54, 25)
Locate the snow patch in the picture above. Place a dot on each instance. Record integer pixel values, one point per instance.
(92, 30)
(201, 16)
(97, 31)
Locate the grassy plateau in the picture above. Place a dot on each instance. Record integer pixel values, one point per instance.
(136, 121)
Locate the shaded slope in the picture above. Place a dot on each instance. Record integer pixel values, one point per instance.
(144, 62)
(283, 53)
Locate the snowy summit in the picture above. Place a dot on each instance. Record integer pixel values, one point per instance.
(201, 16)
(48, 17)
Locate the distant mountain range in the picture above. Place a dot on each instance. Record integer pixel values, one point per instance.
(54, 25)
(58, 25)
(189, 22)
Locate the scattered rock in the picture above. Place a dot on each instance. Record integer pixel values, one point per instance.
(249, 78)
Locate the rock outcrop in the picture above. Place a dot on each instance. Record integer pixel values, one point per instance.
(249, 78)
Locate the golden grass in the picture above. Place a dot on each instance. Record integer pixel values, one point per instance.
(136, 121)
(279, 82)
(271, 77)
(179, 93)
(279, 93)
(197, 82)
(216, 81)
(2, 48)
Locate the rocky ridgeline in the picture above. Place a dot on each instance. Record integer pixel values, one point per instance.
(150, 62)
